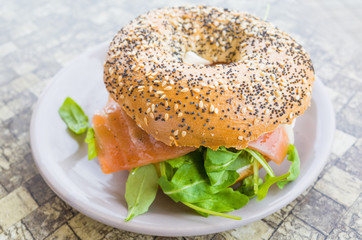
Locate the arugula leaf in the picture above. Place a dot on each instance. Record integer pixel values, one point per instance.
(247, 186)
(264, 188)
(219, 160)
(90, 139)
(224, 201)
(141, 189)
(205, 212)
(293, 156)
(188, 158)
(256, 176)
(73, 115)
(261, 160)
(221, 166)
(188, 184)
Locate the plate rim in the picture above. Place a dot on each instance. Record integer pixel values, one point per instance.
(151, 230)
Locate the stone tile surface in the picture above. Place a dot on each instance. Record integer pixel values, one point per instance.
(319, 211)
(293, 228)
(350, 161)
(87, 228)
(255, 230)
(63, 233)
(47, 218)
(39, 189)
(17, 231)
(15, 206)
(340, 186)
(39, 37)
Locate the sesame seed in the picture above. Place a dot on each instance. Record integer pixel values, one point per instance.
(180, 114)
(175, 133)
(201, 104)
(183, 133)
(212, 108)
(175, 107)
(185, 90)
(145, 120)
(240, 138)
(166, 116)
(168, 88)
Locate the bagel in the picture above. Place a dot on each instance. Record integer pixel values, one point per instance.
(256, 77)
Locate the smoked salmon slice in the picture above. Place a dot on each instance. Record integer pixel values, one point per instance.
(273, 145)
(122, 145)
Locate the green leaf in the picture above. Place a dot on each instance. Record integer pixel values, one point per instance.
(206, 212)
(219, 160)
(264, 188)
(256, 176)
(186, 159)
(73, 115)
(221, 166)
(261, 160)
(141, 189)
(247, 186)
(188, 184)
(294, 168)
(90, 139)
(224, 201)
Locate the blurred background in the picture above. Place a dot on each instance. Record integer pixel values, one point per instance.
(40, 37)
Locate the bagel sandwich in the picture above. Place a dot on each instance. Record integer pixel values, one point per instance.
(204, 97)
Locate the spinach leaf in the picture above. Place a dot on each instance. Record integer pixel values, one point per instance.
(293, 156)
(264, 188)
(73, 115)
(141, 189)
(90, 139)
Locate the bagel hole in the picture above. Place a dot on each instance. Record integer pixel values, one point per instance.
(191, 57)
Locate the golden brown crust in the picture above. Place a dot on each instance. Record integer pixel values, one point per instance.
(266, 81)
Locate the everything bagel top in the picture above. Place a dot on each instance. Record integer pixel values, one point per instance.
(260, 77)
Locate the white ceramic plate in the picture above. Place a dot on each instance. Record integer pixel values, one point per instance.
(62, 159)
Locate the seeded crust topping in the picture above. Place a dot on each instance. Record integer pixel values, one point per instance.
(260, 77)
